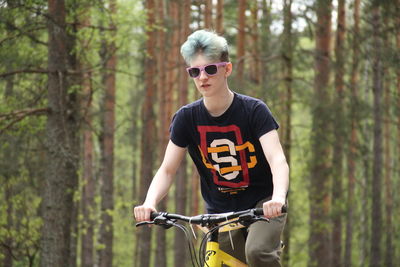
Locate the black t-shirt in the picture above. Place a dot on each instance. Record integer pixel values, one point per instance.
(226, 150)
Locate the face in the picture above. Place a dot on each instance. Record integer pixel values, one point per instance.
(209, 85)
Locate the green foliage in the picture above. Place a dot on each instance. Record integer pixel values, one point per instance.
(23, 40)
(20, 224)
(23, 31)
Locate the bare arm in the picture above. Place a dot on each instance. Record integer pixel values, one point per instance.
(161, 182)
(280, 172)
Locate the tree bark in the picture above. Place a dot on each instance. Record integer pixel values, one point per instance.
(219, 23)
(354, 140)
(339, 133)
(88, 188)
(62, 144)
(376, 226)
(366, 177)
(165, 89)
(88, 182)
(208, 7)
(388, 181)
(148, 130)
(180, 251)
(107, 146)
(287, 58)
(240, 41)
(387, 135)
(255, 73)
(319, 242)
(77, 76)
(265, 34)
(397, 23)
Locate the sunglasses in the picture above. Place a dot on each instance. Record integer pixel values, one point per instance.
(210, 69)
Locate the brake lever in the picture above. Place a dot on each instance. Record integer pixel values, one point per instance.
(143, 223)
(164, 222)
(249, 218)
(159, 220)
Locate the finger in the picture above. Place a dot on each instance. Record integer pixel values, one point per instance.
(267, 210)
(277, 210)
(139, 214)
(147, 214)
(135, 215)
(272, 209)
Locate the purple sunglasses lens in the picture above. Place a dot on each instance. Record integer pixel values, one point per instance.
(194, 72)
(210, 70)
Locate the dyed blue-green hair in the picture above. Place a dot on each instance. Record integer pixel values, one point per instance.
(207, 43)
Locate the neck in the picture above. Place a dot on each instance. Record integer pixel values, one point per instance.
(217, 105)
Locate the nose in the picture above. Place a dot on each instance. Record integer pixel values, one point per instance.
(203, 75)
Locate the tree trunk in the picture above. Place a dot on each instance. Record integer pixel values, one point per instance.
(88, 182)
(148, 130)
(388, 173)
(339, 133)
(180, 251)
(376, 230)
(107, 147)
(397, 23)
(208, 7)
(254, 68)
(62, 144)
(166, 82)
(389, 230)
(240, 41)
(88, 205)
(198, 19)
(287, 58)
(366, 177)
(354, 140)
(219, 24)
(135, 167)
(88, 188)
(78, 82)
(265, 34)
(320, 244)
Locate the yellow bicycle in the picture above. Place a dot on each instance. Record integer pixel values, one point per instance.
(210, 254)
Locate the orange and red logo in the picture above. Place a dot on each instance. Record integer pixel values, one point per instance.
(226, 154)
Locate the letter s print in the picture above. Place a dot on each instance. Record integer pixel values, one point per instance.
(229, 173)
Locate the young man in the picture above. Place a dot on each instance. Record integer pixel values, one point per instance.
(233, 141)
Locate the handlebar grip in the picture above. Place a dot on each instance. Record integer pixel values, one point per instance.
(260, 211)
(284, 209)
(154, 214)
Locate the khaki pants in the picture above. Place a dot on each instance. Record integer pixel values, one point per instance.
(259, 245)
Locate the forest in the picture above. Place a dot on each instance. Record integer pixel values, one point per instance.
(88, 89)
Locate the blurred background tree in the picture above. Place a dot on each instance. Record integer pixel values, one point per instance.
(88, 89)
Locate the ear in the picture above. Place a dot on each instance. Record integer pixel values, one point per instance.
(228, 69)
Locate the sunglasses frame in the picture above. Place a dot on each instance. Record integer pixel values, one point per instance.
(203, 68)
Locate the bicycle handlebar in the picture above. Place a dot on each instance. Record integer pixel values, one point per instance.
(166, 218)
(212, 221)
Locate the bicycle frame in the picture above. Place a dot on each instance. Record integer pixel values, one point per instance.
(215, 257)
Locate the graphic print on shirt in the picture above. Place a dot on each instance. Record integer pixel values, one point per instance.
(228, 157)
